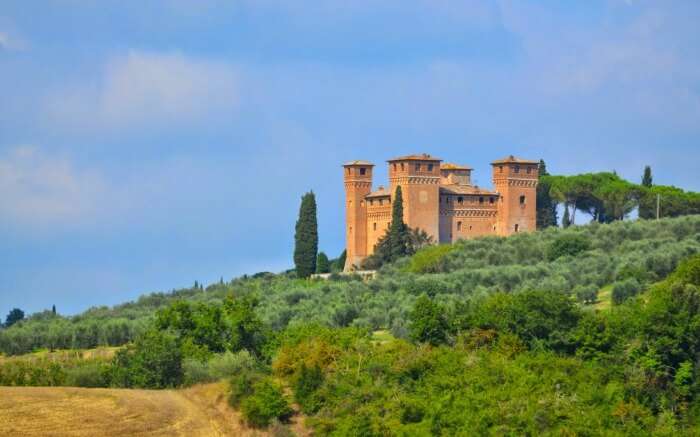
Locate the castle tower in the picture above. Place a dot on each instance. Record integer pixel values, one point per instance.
(358, 184)
(419, 178)
(516, 181)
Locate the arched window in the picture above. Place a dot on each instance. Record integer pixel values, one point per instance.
(459, 226)
(402, 166)
(460, 200)
(517, 227)
(374, 226)
(517, 169)
(363, 171)
(481, 199)
(522, 200)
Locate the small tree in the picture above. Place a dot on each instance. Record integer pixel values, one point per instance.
(566, 219)
(399, 236)
(266, 403)
(13, 317)
(428, 322)
(322, 263)
(306, 237)
(646, 179)
(305, 387)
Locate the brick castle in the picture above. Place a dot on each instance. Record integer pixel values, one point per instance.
(439, 199)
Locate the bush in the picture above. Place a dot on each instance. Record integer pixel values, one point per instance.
(306, 385)
(241, 386)
(88, 375)
(429, 259)
(624, 290)
(153, 361)
(267, 402)
(568, 244)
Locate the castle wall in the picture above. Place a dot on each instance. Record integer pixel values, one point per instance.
(378, 221)
(470, 219)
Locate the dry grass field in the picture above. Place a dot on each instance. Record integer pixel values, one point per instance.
(67, 411)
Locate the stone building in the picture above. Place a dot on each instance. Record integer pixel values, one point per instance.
(439, 199)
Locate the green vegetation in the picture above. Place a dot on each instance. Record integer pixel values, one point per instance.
(546, 205)
(645, 250)
(495, 339)
(14, 316)
(306, 237)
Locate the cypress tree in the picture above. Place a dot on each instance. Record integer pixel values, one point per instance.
(306, 237)
(566, 220)
(546, 207)
(322, 263)
(399, 237)
(646, 179)
(340, 262)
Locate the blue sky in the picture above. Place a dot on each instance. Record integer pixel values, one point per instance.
(148, 145)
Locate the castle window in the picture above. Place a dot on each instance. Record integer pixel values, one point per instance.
(363, 171)
(500, 169)
(517, 227)
(402, 166)
(350, 202)
(381, 201)
(374, 225)
(460, 200)
(529, 169)
(522, 200)
(470, 227)
(418, 167)
(459, 226)
(430, 167)
(348, 170)
(371, 202)
(394, 166)
(517, 169)
(481, 199)
(491, 200)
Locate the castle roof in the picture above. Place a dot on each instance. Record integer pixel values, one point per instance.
(381, 192)
(465, 190)
(450, 166)
(421, 157)
(349, 163)
(513, 160)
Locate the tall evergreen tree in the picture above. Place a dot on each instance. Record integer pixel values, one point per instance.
(566, 219)
(322, 263)
(546, 206)
(399, 235)
(646, 179)
(306, 237)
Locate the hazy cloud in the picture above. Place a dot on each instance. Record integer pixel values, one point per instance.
(148, 88)
(39, 189)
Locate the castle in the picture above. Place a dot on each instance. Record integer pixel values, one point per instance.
(439, 199)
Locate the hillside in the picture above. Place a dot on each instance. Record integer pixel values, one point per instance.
(638, 252)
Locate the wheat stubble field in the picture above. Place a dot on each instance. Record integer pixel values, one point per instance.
(69, 411)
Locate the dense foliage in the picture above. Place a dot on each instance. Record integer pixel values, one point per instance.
(644, 250)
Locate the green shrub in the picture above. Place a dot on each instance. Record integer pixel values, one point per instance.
(93, 374)
(568, 244)
(624, 290)
(153, 361)
(429, 259)
(241, 386)
(306, 386)
(267, 402)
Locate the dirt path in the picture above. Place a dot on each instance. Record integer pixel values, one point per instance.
(66, 411)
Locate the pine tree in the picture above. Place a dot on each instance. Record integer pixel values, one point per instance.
(53, 309)
(306, 237)
(566, 220)
(399, 236)
(646, 179)
(546, 207)
(322, 263)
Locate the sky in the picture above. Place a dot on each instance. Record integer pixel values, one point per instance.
(146, 145)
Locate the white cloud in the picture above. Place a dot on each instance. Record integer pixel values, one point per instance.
(149, 88)
(36, 188)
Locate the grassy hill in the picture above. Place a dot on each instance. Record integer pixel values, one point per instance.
(639, 252)
(585, 331)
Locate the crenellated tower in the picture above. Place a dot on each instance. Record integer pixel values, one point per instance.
(357, 176)
(419, 178)
(515, 180)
